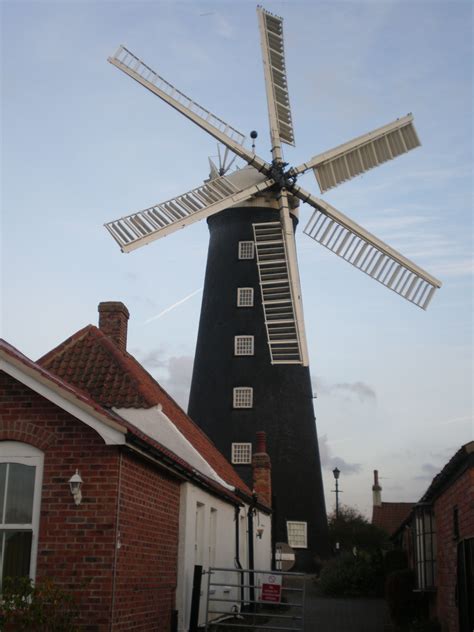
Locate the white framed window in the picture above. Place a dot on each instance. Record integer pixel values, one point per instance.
(245, 297)
(243, 345)
(21, 476)
(243, 397)
(297, 534)
(241, 453)
(246, 250)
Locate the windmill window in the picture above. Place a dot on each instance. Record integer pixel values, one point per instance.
(241, 453)
(245, 297)
(243, 397)
(21, 469)
(297, 534)
(243, 346)
(246, 250)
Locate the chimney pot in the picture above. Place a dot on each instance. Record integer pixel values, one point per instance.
(113, 322)
(376, 491)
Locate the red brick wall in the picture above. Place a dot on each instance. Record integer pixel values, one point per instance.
(147, 560)
(77, 543)
(460, 494)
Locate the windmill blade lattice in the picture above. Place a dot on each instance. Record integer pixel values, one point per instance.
(367, 253)
(222, 131)
(271, 39)
(141, 228)
(351, 159)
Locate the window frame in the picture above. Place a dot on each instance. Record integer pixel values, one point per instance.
(424, 535)
(243, 247)
(235, 447)
(235, 396)
(25, 454)
(305, 531)
(241, 292)
(242, 340)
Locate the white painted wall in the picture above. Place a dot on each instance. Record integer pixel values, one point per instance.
(207, 535)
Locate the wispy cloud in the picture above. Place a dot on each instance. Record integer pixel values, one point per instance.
(329, 462)
(345, 390)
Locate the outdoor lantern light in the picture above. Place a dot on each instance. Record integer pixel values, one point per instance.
(75, 484)
(336, 473)
(260, 531)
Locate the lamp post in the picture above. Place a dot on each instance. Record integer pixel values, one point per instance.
(336, 473)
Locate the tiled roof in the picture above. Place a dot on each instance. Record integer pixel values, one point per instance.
(19, 359)
(463, 459)
(91, 361)
(389, 516)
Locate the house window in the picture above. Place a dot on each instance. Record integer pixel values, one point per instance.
(425, 547)
(246, 249)
(243, 345)
(21, 471)
(245, 297)
(297, 534)
(243, 397)
(241, 453)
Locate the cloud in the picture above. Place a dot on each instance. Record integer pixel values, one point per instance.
(429, 471)
(329, 462)
(345, 390)
(172, 372)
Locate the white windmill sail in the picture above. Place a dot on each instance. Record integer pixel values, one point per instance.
(273, 54)
(138, 229)
(363, 153)
(280, 289)
(222, 131)
(339, 234)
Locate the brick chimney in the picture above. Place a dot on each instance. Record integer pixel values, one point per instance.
(376, 491)
(113, 321)
(262, 471)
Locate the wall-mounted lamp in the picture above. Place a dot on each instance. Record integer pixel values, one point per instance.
(75, 484)
(260, 531)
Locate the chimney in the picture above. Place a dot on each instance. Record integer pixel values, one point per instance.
(262, 471)
(113, 322)
(376, 491)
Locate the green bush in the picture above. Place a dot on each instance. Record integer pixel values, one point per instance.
(349, 576)
(42, 607)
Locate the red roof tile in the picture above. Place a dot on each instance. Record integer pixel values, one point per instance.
(91, 361)
(389, 516)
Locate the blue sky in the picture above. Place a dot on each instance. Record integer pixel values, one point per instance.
(82, 144)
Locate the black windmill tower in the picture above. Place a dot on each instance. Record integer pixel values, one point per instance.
(251, 368)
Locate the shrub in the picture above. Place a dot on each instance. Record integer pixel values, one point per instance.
(42, 607)
(349, 576)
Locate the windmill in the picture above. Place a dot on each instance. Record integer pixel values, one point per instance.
(251, 366)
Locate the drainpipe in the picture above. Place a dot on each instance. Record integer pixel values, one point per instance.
(237, 552)
(250, 516)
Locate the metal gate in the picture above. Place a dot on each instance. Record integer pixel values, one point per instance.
(243, 599)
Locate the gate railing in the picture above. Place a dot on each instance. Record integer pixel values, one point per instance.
(254, 599)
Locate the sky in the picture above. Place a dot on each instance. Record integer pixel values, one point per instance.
(83, 144)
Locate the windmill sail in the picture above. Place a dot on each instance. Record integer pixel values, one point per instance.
(351, 159)
(222, 131)
(367, 253)
(271, 38)
(141, 228)
(281, 307)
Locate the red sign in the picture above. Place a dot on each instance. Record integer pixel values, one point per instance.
(271, 589)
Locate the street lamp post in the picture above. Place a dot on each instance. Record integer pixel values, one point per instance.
(336, 473)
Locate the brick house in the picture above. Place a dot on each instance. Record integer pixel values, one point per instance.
(387, 515)
(157, 496)
(439, 538)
